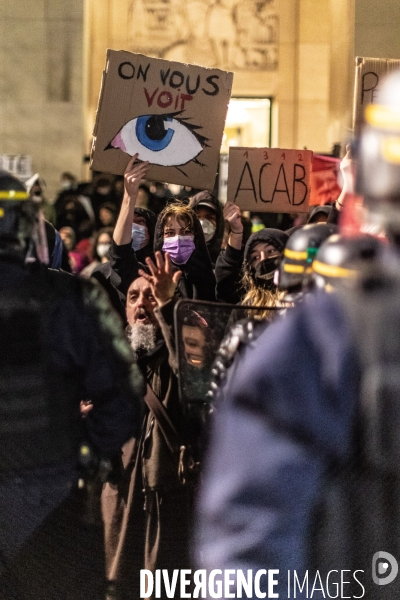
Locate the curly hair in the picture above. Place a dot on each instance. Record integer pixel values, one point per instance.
(182, 213)
(256, 295)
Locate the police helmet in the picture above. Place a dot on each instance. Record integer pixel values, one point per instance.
(340, 259)
(299, 253)
(17, 213)
(378, 153)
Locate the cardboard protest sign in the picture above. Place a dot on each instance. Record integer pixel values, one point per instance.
(324, 184)
(270, 179)
(172, 114)
(369, 73)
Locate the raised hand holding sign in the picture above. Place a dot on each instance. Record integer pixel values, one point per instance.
(170, 114)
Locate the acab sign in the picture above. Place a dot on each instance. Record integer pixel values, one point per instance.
(270, 179)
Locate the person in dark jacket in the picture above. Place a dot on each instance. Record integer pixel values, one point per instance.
(58, 254)
(245, 275)
(261, 257)
(72, 213)
(210, 213)
(132, 243)
(304, 472)
(198, 280)
(179, 232)
(148, 511)
(125, 259)
(289, 409)
(61, 344)
(143, 227)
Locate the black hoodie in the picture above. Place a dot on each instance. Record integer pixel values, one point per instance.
(198, 280)
(319, 210)
(151, 221)
(214, 245)
(117, 274)
(229, 265)
(274, 237)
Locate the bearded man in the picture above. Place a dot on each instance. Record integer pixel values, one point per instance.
(147, 511)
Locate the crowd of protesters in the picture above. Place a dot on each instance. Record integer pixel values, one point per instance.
(150, 248)
(85, 213)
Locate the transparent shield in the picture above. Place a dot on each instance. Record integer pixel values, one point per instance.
(200, 328)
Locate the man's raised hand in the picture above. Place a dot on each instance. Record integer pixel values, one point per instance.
(163, 280)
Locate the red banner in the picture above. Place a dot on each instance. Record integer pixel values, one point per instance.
(325, 188)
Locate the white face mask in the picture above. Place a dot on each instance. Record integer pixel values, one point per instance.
(37, 196)
(208, 229)
(139, 236)
(102, 249)
(66, 185)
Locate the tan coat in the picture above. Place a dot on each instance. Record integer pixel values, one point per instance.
(148, 513)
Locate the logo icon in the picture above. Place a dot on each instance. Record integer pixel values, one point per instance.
(384, 568)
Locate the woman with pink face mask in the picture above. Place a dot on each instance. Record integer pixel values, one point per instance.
(179, 232)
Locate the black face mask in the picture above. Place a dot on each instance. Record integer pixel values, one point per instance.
(263, 273)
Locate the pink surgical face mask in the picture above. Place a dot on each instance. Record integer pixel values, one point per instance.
(179, 247)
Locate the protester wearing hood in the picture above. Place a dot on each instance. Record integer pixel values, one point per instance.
(72, 213)
(179, 232)
(143, 227)
(210, 213)
(184, 240)
(246, 276)
(131, 244)
(319, 214)
(262, 254)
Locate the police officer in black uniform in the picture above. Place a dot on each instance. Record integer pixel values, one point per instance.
(304, 473)
(60, 343)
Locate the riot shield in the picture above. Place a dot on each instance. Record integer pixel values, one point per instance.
(200, 328)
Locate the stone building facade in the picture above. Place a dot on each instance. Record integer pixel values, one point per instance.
(299, 53)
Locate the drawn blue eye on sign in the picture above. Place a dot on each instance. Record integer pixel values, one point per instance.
(160, 139)
(168, 113)
(153, 132)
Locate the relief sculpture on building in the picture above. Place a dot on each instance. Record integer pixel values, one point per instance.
(226, 34)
